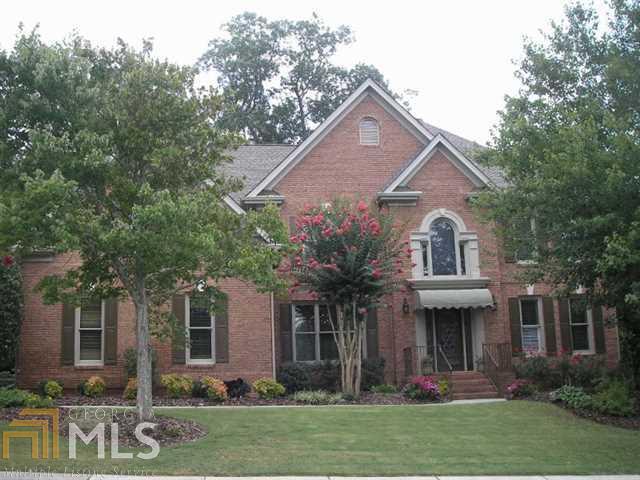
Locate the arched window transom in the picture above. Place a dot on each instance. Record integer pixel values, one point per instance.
(442, 237)
(369, 131)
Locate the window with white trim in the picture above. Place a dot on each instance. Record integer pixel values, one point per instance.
(581, 322)
(200, 324)
(89, 331)
(369, 131)
(313, 333)
(442, 253)
(531, 322)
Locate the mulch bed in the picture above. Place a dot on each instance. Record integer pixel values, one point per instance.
(167, 430)
(251, 400)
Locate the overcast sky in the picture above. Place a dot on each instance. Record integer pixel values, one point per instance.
(457, 54)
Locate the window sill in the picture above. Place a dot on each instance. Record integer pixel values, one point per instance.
(96, 366)
(200, 364)
(583, 352)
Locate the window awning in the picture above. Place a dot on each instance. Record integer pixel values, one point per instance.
(467, 298)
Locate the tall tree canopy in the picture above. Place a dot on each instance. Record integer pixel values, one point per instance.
(277, 77)
(569, 144)
(114, 155)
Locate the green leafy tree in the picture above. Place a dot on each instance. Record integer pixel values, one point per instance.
(278, 79)
(569, 145)
(347, 256)
(113, 155)
(10, 311)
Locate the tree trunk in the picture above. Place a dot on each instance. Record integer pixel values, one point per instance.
(144, 400)
(349, 343)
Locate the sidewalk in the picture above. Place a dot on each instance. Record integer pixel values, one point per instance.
(53, 476)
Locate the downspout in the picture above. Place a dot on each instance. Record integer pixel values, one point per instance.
(273, 335)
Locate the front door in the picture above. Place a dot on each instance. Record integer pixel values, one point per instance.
(449, 343)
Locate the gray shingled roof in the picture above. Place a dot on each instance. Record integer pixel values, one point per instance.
(252, 163)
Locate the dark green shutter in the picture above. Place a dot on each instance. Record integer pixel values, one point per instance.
(286, 354)
(110, 331)
(372, 333)
(565, 327)
(68, 348)
(222, 331)
(516, 329)
(549, 325)
(178, 342)
(598, 329)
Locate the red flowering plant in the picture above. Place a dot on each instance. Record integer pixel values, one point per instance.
(347, 255)
(422, 388)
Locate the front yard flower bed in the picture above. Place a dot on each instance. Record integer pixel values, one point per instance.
(252, 399)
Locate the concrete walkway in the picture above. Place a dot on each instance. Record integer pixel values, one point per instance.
(54, 476)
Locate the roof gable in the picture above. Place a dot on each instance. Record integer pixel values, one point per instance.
(367, 88)
(464, 164)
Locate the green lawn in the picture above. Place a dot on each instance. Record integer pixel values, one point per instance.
(499, 438)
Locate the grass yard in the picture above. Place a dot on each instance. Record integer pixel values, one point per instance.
(499, 438)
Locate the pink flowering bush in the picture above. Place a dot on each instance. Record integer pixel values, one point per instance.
(520, 389)
(423, 388)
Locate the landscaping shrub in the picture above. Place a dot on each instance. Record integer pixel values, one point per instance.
(443, 387)
(12, 397)
(93, 387)
(131, 390)
(295, 377)
(33, 400)
(572, 397)
(216, 389)
(268, 388)
(540, 370)
(422, 388)
(586, 371)
(50, 388)
(131, 363)
(316, 397)
(384, 388)
(237, 388)
(614, 398)
(326, 375)
(521, 388)
(372, 372)
(177, 386)
(198, 389)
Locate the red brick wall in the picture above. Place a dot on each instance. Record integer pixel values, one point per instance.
(40, 347)
(337, 166)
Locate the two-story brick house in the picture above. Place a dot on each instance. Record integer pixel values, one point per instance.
(463, 310)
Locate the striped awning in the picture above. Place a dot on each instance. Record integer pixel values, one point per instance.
(467, 298)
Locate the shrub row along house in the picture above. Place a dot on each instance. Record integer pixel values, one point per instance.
(463, 310)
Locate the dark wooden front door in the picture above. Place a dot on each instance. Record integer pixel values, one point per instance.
(449, 339)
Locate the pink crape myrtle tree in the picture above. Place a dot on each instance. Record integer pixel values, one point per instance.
(348, 255)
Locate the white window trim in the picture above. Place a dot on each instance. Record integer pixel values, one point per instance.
(187, 316)
(540, 326)
(88, 363)
(316, 333)
(589, 314)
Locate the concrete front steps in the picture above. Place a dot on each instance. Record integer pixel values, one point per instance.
(471, 385)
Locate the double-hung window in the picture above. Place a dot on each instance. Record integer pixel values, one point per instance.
(200, 323)
(313, 333)
(89, 332)
(532, 338)
(581, 326)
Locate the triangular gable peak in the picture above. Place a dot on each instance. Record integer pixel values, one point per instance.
(397, 192)
(264, 190)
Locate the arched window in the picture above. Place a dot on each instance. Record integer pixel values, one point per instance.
(442, 237)
(369, 131)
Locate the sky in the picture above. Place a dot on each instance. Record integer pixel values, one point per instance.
(458, 54)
